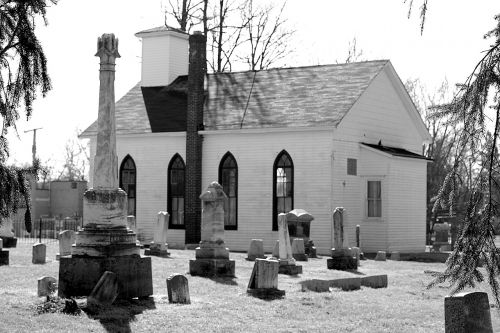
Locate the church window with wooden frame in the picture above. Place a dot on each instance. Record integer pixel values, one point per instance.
(282, 186)
(228, 178)
(175, 204)
(374, 198)
(128, 182)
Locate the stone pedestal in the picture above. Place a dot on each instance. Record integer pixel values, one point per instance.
(212, 256)
(342, 259)
(79, 275)
(9, 242)
(4, 257)
(289, 268)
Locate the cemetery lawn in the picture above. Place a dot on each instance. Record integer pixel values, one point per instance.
(222, 305)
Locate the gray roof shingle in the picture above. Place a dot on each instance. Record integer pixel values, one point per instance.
(285, 97)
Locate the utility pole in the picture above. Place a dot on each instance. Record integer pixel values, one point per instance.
(33, 148)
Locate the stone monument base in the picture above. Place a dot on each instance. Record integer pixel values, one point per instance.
(212, 267)
(342, 263)
(4, 257)
(300, 256)
(157, 250)
(79, 275)
(266, 292)
(253, 257)
(290, 269)
(58, 256)
(9, 241)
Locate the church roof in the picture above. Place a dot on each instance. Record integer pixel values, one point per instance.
(274, 98)
(400, 152)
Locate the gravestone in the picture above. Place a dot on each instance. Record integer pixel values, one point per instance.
(342, 257)
(131, 223)
(105, 242)
(467, 312)
(212, 256)
(178, 289)
(7, 233)
(46, 286)
(286, 260)
(298, 249)
(356, 253)
(66, 240)
(104, 292)
(256, 250)
(358, 242)
(264, 279)
(381, 256)
(374, 281)
(441, 234)
(395, 256)
(276, 249)
(159, 246)
(299, 226)
(39, 253)
(4, 255)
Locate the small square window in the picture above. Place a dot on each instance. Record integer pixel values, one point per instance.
(73, 185)
(352, 166)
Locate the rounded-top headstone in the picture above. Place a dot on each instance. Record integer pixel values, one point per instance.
(178, 289)
(467, 312)
(256, 249)
(381, 256)
(46, 285)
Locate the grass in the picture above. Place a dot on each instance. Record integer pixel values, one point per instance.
(222, 305)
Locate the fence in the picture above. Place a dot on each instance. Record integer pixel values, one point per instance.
(46, 229)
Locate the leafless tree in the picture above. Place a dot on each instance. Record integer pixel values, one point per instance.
(76, 161)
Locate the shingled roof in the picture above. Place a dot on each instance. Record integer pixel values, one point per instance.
(274, 98)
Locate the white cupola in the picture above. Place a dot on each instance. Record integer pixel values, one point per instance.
(165, 54)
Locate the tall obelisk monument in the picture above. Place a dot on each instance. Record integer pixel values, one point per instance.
(105, 243)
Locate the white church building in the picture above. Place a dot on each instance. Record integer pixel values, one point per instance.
(315, 137)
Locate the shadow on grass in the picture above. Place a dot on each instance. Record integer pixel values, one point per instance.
(354, 271)
(224, 280)
(117, 317)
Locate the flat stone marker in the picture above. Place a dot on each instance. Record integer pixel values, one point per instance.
(395, 256)
(467, 312)
(178, 289)
(46, 285)
(264, 278)
(256, 250)
(298, 249)
(381, 256)
(374, 281)
(66, 239)
(39, 253)
(104, 292)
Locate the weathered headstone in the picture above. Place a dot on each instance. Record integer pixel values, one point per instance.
(178, 289)
(356, 253)
(264, 279)
(342, 257)
(381, 256)
(298, 249)
(286, 260)
(159, 246)
(395, 255)
(39, 253)
(212, 256)
(105, 243)
(104, 292)
(374, 281)
(46, 286)
(256, 250)
(66, 240)
(467, 312)
(346, 284)
(276, 250)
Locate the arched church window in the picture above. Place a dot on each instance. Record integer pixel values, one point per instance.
(228, 178)
(282, 186)
(175, 205)
(128, 177)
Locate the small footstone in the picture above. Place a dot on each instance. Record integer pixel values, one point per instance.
(375, 281)
(256, 250)
(467, 312)
(178, 289)
(381, 256)
(39, 253)
(4, 257)
(105, 291)
(395, 256)
(46, 286)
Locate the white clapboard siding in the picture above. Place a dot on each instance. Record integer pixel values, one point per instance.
(407, 205)
(255, 154)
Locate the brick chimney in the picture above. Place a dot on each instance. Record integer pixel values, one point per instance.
(194, 141)
(164, 55)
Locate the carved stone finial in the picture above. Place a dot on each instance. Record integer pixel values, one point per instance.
(107, 49)
(214, 192)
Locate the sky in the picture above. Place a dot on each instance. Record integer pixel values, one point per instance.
(451, 45)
